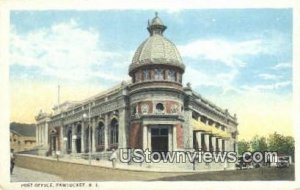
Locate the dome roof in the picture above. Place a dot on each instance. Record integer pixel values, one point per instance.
(156, 49)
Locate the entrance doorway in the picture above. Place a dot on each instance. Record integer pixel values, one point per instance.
(78, 145)
(159, 139)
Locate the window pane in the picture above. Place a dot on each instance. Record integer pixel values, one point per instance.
(163, 131)
(154, 131)
(159, 74)
(146, 75)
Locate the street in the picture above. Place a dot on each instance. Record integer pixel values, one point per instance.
(26, 175)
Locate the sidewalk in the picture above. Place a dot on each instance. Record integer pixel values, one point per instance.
(157, 167)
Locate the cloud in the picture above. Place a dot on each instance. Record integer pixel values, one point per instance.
(273, 86)
(221, 80)
(283, 65)
(228, 52)
(65, 51)
(267, 76)
(174, 10)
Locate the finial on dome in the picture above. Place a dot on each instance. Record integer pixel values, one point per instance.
(156, 26)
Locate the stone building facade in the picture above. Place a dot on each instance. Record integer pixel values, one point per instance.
(22, 138)
(153, 111)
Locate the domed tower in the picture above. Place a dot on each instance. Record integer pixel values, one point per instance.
(157, 58)
(156, 95)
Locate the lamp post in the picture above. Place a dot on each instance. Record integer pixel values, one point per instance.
(90, 136)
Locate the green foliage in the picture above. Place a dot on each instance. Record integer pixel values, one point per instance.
(282, 144)
(275, 142)
(259, 144)
(243, 146)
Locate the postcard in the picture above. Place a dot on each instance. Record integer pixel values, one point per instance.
(114, 96)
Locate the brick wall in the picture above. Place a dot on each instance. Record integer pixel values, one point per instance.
(135, 138)
(179, 135)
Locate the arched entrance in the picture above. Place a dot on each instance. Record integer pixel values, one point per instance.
(114, 133)
(78, 139)
(100, 137)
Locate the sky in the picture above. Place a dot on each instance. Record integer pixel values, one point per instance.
(240, 59)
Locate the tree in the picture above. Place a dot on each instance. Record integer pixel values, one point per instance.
(282, 144)
(243, 146)
(259, 144)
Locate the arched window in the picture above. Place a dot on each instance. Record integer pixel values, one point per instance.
(138, 77)
(78, 129)
(171, 75)
(100, 136)
(179, 77)
(146, 75)
(158, 74)
(114, 133)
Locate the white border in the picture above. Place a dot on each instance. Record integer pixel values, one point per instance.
(7, 5)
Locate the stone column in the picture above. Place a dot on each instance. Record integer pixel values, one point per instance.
(213, 143)
(188, 130)
(36, 133)
(170, 139)
(206, 141)
(73, 139)
(82, 136)
(46, 135)
(61, 139)
(227, 145)
(174, 137)
(198, 137)
(106, 132)
(149, 139)
(223, 145)
(145, 138)
(41, 133)
(122, 129)
(220, 144)
(93, 135)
